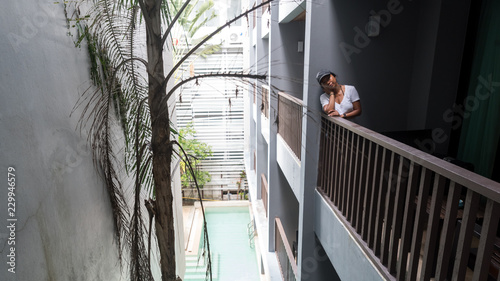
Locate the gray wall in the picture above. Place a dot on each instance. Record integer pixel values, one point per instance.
(407, 76)
(286, 73)
(377, 66)
(287, 63)
(446, 69)
(64, 228)
(348, 259)
(287, 208)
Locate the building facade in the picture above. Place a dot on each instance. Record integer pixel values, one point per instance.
(214, 106)
(373, 197)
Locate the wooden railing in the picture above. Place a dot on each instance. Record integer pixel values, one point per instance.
(399, 202)
(287, 264)
(290, 121)
(265, 101)
(263, 189)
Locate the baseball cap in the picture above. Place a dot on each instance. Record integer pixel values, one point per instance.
(323, 73)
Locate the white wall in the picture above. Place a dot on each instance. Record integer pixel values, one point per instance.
(64, 228)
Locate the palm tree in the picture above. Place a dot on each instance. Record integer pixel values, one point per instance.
(137, 91)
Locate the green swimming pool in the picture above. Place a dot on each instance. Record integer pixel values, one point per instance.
(234, 258)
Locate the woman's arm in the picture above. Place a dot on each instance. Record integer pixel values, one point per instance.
(330, 107)
(356, 110)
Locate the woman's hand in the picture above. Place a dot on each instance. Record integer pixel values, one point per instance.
(333, 113)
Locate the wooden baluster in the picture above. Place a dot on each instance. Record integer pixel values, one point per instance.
(408, 220)
(390, 195)
(368, 191)
(374, 194)
(382, 189)
(420, 219)
(486, 241)
(402, 177)
(465, 236)
(432, 234)
(447, 236)
(361, 183)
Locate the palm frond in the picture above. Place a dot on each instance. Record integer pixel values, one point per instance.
(99, 109)
(142, 124)
(140, 266)
(194, 28)
(206, 244)
(208, 50)
(119, 83)
(195, 23)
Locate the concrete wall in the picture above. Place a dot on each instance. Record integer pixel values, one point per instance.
(446, 70)
(286, 208)
(346, 256)
(289, 164)
(64, 228)
(407, 76)
(286, 61)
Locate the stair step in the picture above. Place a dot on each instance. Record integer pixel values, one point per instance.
(194, 277)
(196, 268)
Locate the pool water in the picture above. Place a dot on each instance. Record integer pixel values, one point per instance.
(229, 240)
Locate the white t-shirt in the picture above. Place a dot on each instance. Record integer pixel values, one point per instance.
(350, 95)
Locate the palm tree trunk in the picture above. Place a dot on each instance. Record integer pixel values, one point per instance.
(160, 142)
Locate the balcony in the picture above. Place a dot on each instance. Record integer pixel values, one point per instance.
(384, 209)
(290, 122)
(289, 139)
(413, 216)
(284, 255)
(404, 209)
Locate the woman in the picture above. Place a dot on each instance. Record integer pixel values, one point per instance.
(337, 99)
